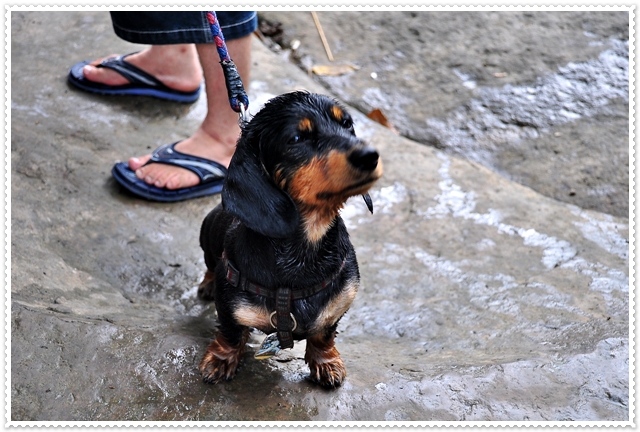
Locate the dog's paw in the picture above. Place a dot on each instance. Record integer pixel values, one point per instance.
(330, 374)
(207, 287)
(215, 370)
(325, 365)
(221, 360)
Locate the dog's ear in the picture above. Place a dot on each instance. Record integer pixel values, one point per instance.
(251, 196)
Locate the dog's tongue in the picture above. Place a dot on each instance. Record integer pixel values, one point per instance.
(368, 202)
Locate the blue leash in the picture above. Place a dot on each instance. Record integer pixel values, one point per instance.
(238, 98)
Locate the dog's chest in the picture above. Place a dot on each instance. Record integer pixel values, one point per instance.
(323, 279)
(311, 315)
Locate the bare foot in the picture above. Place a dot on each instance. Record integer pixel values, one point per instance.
(176, 66)
(199, 144)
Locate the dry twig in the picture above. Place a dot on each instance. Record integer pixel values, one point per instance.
(322, 37)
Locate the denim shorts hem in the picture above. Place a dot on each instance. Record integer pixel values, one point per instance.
(195, 29)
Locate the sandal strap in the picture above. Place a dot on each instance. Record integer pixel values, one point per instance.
(207, 170)
(132, 73)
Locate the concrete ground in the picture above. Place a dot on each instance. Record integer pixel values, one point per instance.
(541, 98)
(481, 299)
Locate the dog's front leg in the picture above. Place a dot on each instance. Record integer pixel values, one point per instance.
(325, 364)
(207, 288)
(221, 359)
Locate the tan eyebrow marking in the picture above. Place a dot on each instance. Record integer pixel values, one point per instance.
(337, 113)
(305, 125)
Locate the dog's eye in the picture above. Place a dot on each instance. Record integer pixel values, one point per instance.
(295, 139)
(346, 123)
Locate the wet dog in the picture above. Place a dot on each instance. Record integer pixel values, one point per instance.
(278, 254)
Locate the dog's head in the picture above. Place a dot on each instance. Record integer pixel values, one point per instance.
(296, 163)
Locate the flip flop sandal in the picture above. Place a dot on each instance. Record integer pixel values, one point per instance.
(140, 82)
(211, 174)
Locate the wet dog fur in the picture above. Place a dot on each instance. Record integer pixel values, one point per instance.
(296, 163)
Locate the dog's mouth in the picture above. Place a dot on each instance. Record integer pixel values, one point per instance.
(358, 188)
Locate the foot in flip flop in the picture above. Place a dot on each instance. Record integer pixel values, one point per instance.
(174, 172)
(166, 72)
(211, 176)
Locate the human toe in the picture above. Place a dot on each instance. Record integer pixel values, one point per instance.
(135, 163)
(103, 76)
(163, 176)
(144, 173)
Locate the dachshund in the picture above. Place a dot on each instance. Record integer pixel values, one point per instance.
(277, 252)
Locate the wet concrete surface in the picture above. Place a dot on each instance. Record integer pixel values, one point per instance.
(481, 298)
(522, 93)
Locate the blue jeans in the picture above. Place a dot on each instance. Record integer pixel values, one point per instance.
(166, 28)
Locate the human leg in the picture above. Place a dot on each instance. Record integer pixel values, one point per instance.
(182, 52)
(216, 137)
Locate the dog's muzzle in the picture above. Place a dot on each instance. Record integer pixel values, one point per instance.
(364, 158)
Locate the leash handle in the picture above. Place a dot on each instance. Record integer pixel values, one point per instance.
(238, 98)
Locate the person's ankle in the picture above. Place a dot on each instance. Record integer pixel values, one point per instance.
(176, 66)
(204, 145)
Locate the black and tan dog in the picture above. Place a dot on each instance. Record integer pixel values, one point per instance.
(278, 253)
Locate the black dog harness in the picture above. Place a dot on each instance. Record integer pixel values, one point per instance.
(285, 321)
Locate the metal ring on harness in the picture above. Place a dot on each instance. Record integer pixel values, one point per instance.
(295, 323)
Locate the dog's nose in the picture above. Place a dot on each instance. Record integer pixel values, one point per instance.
(364, 159)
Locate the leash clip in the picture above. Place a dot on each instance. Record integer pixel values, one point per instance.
(242, 116)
